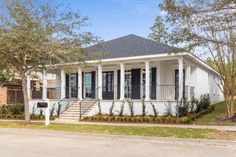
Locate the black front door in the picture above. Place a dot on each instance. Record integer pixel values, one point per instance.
(107, 85)
(177, 84)
(135, 81)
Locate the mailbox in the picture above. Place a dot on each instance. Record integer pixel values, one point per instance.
(42, 105)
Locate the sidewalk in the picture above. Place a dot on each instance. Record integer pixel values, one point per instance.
(220, 128)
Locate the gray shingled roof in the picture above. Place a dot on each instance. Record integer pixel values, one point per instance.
(129, 46)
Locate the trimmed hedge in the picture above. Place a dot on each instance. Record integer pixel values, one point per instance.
(150, 119)
(134, 119)
(22, 117)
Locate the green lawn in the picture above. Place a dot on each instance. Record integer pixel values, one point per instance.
(212, 118)
(116, 130)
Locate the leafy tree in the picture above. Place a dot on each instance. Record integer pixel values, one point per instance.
(159, 31)
(34, 33)
(208, 25)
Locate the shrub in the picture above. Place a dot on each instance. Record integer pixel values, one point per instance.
(182, 108)
(112, 108)
(205, 99)
(204, 102)
(154, 110)
(184, 120)
(3, 109)
(131, 107)
(13, 109)
(21, 117)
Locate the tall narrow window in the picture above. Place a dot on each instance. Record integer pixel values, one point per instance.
(128, 84)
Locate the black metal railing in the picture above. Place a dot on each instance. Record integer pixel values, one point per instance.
(81, 103)
(64, 104)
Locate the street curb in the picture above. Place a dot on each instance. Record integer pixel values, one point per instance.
(172, 140)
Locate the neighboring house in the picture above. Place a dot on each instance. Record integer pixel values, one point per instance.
(11, 94)
(130, 67)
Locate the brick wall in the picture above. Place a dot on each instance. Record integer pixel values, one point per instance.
(3, 95)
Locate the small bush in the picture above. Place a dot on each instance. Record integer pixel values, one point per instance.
(21, 117)
(182, 108)
(204, 103)
(12, 109)
(185, 120)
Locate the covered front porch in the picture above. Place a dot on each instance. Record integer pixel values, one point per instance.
(161, 79)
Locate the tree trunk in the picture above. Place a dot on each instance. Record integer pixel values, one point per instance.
(26, 99)
(229, 102)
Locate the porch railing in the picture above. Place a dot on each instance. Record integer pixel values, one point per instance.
(159, 92)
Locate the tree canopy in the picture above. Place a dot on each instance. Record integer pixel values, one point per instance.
(210, 25)
(38, 32)
(159, 31)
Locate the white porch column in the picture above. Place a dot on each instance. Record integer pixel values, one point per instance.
(122, 81)
(180, 60)
(28, 87)
(147, 80)
(158, 81)
(80, 89)
(63, 84)
(115, 84)
(45, 84)
(99, 82)
(188, 79)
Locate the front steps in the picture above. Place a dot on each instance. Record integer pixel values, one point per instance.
(73, 112)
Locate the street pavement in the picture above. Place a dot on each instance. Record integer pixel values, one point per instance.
(31, 143)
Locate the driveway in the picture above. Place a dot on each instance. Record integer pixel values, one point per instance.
(29, 143)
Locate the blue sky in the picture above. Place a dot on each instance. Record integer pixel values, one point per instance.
(110, 19)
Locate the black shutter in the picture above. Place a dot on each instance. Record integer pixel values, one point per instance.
(135, 81)
(77, 85)
(93, 84)
(83, 85)
(67, 86)
(153, 84)
(118, 84)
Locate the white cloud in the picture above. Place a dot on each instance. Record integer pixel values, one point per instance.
(137, 6)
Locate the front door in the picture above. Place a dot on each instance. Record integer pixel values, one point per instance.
(88, 85)
(73, 86)
(107, 85)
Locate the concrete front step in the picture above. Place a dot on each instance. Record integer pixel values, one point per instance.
(73, 112)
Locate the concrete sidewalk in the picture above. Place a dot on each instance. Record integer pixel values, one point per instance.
(220, 128)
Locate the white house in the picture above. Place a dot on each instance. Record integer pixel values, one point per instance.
(129, 67)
